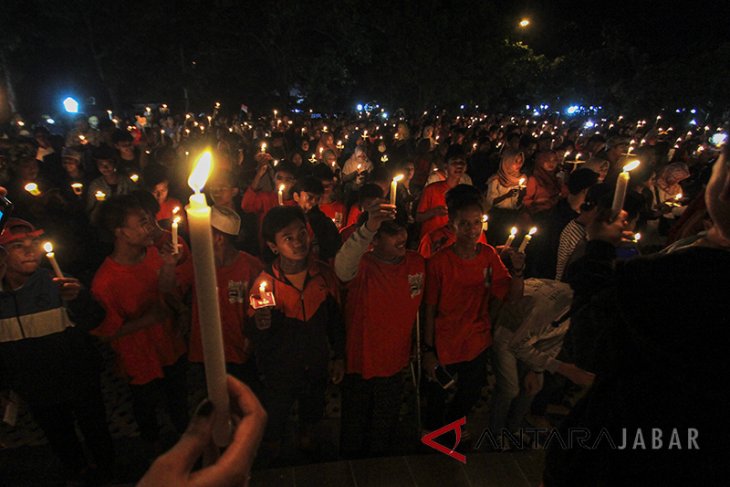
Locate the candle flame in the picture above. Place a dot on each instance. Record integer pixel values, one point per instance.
(533, 231)
(48, 247)
(485, 218)
(678, 197)
(201, 171)
(281, 188)
(262, 287)
(513, 231)
(176, 219)
(134, 177)
(631, 165)
(31, 187)
(522, 181)
(397, 178)
(637, 237)
(176, 210)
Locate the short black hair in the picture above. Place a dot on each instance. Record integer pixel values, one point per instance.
(147, 201)
(463, 196)
(308, 184)
(280, 217)
(114, 211)
(323, 172)
(104, 153)
(154, 174)
(370, 190)
(120, 135)
(286, 166)
(581, 179)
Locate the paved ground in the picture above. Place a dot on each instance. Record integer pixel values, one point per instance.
(26, 460)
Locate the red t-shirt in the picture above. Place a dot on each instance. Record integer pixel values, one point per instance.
(433, 195)
(382, 302)
(439, 239)
(347, 232)
(458, 288)
(259, 203)
(126, 292)
(166, 208)
(353, 215)
(234, 282)
(331, 210)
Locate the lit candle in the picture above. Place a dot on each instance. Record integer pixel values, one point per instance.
(77, 188)
(100, 196)
(527, 239)
(637, 237)
(32, 188)
(175, 226)
(622, 185)
(281, 195)
(263, 147)
(201, 242)
(511, 238)
(485, 223)
(48, 247)
(522, 184)
(394, 188)
(134, 177)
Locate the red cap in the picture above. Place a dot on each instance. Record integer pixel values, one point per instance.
(18, 229)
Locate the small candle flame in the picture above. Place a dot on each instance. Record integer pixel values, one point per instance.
(637, 237)
(631, 165)
(201, 171)
(397, 178)
(281, 188)
(533, 231)
(134, 177)
(176, 210)
(48, 247)
(485, 218)
(262, 287)
(176, 219)
(32, 188)
(513, 231)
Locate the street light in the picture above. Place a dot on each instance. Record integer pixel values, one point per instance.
(71, 105)
(524, 23)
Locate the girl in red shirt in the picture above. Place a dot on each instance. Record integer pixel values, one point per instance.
(460, 281)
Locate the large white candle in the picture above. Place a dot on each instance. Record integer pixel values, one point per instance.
(527, 239)
(48, 247)
(511, 238)
(622, 185)
(394, 188)
(201, 242)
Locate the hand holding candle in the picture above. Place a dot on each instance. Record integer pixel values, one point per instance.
(527, 239)
(201, 242)
(48, 247)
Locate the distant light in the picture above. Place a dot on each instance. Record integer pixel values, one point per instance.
(693, 122)
(71, 105)
(462, 107)
(719, 139)
(535, 113)
(589, 124)
(359, 107)
(524, 22)
(572, 109)
(384, 115)
(50, 121)
(693, 111)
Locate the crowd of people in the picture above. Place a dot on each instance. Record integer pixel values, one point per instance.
(448, 241)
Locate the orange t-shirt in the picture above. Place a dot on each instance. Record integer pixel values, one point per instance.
(382, 302)
(126, 292)
(439, 239)
(233, 282)
(458, 288)
(433, 195)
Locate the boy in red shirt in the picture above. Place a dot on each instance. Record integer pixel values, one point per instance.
(432, 212)
(444, 236)
(385, 288)
(460, 280)
(235, 272)
(295, 339)
(130, 285)
(329, 204)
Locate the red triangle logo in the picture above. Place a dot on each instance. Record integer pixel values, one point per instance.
(456, 426)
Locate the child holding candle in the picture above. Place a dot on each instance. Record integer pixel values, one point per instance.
(460, 280)
(235, 274)
(46, 357)
(544, 189)
(326, 238)
(385, 288)
(295, 339)
(130, 285)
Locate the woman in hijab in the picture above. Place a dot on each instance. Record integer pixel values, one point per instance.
(504, 195)
(667, 183)
(544, 189)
